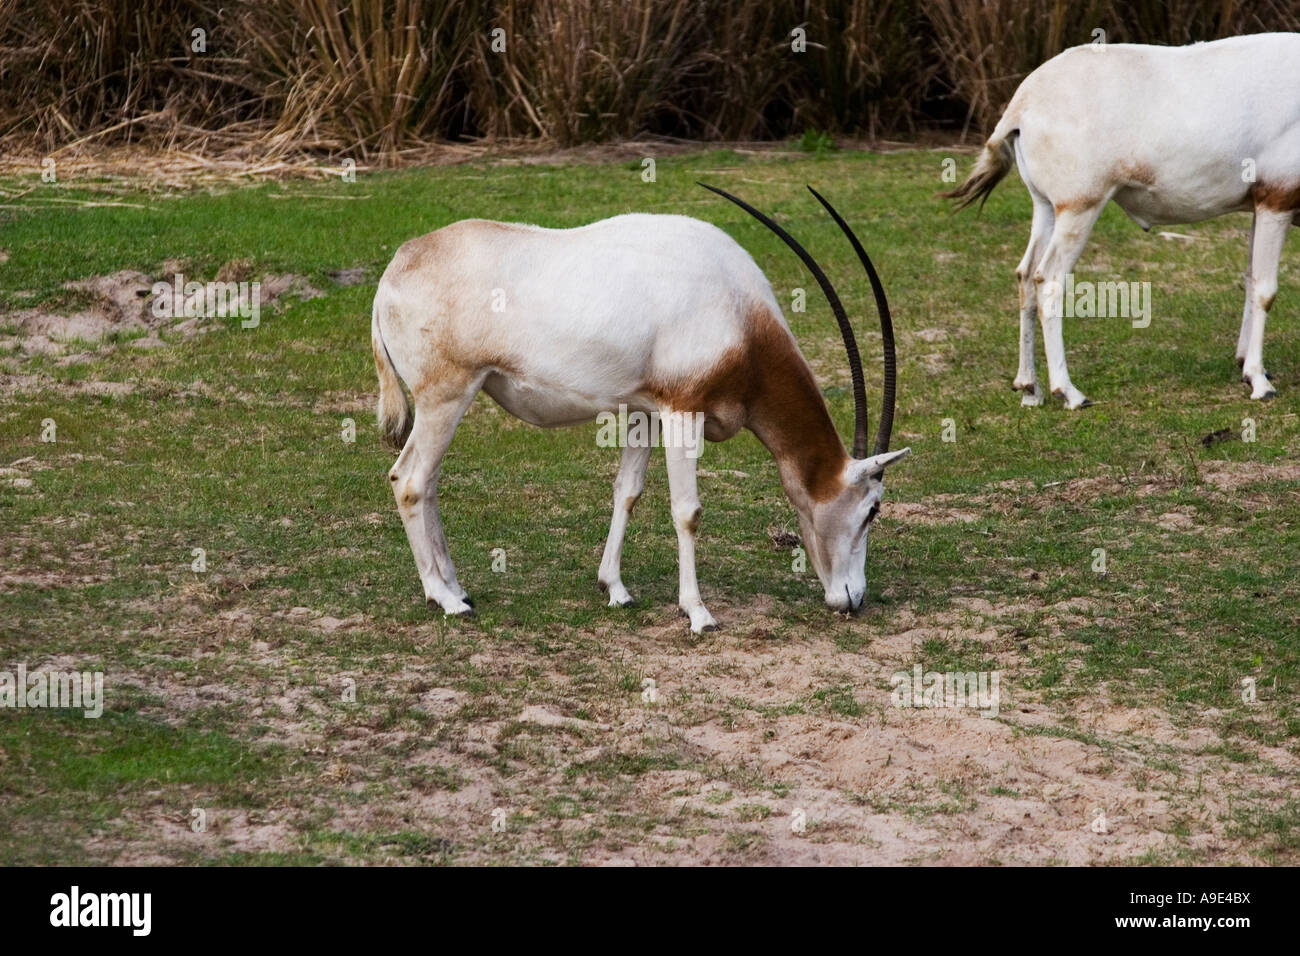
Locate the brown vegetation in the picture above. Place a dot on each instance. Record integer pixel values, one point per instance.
(370, 78)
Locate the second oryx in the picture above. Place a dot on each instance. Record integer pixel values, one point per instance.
(1171, 135)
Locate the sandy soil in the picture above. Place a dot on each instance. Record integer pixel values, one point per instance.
(752, 756)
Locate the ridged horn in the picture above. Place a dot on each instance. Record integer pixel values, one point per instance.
(886, 425)
(846, 330)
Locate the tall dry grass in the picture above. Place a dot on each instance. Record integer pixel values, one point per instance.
(371, 78)
(79, 66)
(575, 72)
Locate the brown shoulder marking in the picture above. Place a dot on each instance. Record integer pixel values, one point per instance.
(766, 382)
(1277, 197)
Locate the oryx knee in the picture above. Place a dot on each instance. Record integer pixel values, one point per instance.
(627, 491)
(686, 516)
(1265, 292)
(407, 489)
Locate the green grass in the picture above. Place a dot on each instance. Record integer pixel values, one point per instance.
(230, 442)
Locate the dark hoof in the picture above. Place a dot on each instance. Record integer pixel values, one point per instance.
(433, 605)
(709, 628)
(1085, 403)
(468, 600)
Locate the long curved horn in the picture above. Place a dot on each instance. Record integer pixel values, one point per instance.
(886, 425)
(846, 330)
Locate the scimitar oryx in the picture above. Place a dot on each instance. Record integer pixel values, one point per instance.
(659, 314)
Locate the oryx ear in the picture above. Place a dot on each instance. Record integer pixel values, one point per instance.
(863, 468)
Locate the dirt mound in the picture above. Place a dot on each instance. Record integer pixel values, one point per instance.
(128, 301)
(120, 301)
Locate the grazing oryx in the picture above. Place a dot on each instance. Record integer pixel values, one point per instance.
(1172, 135)
(661, 314)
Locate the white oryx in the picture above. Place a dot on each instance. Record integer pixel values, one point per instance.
(1172, 135)
(661, 314)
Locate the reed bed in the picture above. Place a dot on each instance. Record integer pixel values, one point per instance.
(267, 82)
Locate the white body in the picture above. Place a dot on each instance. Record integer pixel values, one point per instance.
(1171, 135)
(656, 313)
(575, 320)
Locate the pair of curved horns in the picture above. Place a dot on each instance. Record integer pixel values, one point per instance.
(886, 425)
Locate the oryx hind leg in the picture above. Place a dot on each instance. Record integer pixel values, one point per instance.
(1070, 234)
(628, 485)
(414, 477)
(1040, 234)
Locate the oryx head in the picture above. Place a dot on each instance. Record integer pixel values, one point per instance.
(835, 529)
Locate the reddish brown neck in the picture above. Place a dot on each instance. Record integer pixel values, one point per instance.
(789, 416)
(765, 384)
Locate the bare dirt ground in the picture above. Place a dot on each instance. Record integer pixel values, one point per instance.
(124, 303)
(744, 734)
(892, 786)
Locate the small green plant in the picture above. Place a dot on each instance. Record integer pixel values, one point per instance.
(817, 142)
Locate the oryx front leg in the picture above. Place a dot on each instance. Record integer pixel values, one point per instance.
(681, 451)
(1069, 236)
(1266, 251)
(627, 489)
(414, 478)
(1243, 337)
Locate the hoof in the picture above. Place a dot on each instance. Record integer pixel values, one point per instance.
(702, 622)
(468, 600)
(1072, 398)
(1033, 394)
(458, 609)
(618, 595)
(1261, 387)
